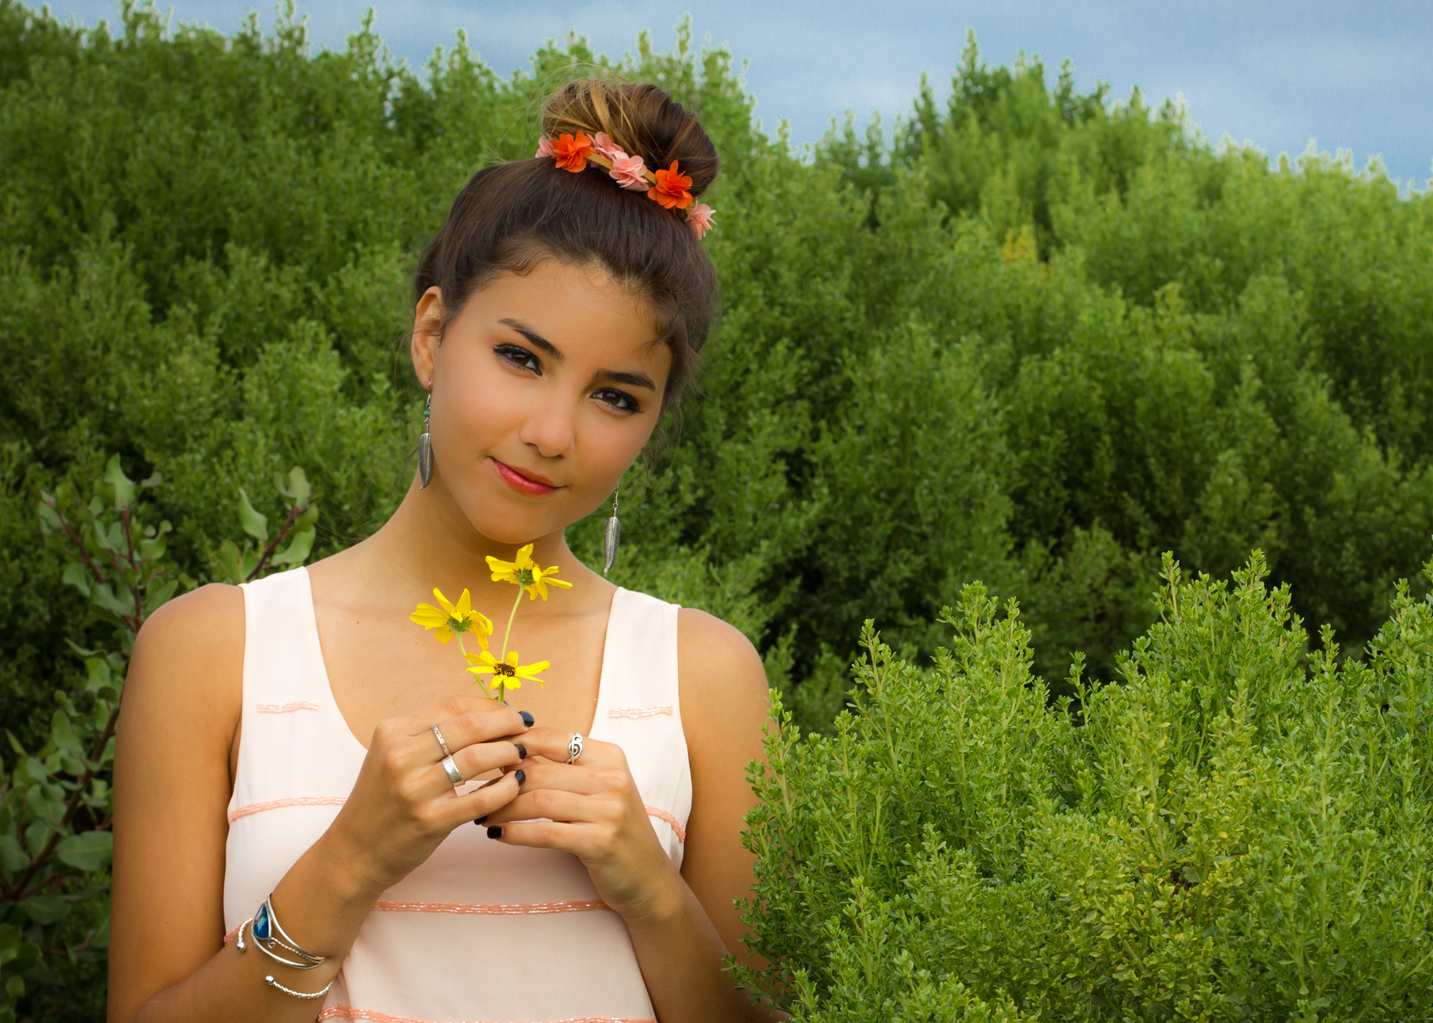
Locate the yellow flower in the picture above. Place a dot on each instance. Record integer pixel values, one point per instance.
(525, 572)
(542, 578)
(452, 619)
(506, 674)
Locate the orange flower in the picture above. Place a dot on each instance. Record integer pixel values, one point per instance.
(671, 189)
(572, 152)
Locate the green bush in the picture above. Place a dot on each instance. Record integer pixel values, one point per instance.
(1228, 835)
(1035, 340)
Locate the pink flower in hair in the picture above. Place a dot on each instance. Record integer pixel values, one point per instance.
(604, 146)
(630, 172)
(544, 148)
(699, 219)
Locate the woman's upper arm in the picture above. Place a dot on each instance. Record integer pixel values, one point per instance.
(725, 703)
(177, 723)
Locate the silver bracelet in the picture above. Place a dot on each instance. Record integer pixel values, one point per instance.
(268, 933)
(297, 994)
(302, 965)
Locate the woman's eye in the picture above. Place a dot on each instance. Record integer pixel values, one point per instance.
(620, 400)
(519, 357)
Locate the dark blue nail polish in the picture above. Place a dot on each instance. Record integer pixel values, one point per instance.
(521, 751)
(526, 718)
(496, 831)
(521, 777)
(481, 819)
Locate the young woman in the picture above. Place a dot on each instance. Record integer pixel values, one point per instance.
(317, 816)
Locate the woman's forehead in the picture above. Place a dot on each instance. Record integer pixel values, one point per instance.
(582, 311)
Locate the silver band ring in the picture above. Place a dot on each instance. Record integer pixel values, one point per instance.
(439, 736)
(453, 775)
(574, 748)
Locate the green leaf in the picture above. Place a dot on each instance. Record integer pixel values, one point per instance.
(296, 487)
(49, 518)
(123, 486)
(62, 734)
(251, 521)
(230, 563)
(152, 549)
(154, 479)
(98, 671)
(297, 550)
(306, 519)
(160, 596)
(45, 810)
(87, 851)
(103, 596)
(78, 576)
(12, 854)
(45, 909)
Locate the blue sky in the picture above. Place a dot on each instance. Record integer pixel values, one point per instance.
(1278, 73)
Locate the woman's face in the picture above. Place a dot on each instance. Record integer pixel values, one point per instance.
(545, 389)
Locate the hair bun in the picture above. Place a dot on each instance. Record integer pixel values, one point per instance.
(641, 119)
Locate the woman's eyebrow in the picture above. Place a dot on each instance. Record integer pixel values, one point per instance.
(536, 339)
(631, 379)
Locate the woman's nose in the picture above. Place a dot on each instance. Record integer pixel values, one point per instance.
(550, 428)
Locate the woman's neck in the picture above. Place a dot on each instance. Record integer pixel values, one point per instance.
(429, 542)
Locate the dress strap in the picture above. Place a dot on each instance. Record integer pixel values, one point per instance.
(639, 708)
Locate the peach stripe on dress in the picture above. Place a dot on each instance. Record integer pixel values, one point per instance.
(639, 712)
(663, 815)
(373, 1016)
(286, 708)
(279, 804)
(229, 938)
(491, 908)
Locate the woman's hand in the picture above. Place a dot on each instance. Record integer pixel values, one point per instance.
(593, 811)
(404, 804)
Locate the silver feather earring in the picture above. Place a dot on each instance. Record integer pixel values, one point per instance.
(425, 447)
(611, 536)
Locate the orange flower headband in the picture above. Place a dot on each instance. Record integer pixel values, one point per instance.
(668, 187)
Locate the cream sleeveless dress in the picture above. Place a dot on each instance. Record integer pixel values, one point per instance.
(482, 932)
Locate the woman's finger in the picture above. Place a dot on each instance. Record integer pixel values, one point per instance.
(585, 841)
(588, 780)
(479, 803)
(552, 743)
(472, 708)
(477, 760)
(470, 762)
(556, 805)
(478, 724)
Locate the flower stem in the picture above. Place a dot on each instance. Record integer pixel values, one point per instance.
(503, 657)
(464, 650)
(520, 590)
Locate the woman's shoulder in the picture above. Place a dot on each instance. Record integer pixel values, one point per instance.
(189, 657)
(721, 678)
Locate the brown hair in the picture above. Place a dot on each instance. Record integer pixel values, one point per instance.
(510, 217)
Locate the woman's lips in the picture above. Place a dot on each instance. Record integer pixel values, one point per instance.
(522, 484)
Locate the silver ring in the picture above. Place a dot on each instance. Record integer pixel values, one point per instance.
(452, 769)
(574, 748)
(439, 736)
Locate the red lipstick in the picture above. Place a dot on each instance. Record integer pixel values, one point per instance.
(523, 484)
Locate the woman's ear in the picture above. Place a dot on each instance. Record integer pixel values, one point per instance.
(427, 335)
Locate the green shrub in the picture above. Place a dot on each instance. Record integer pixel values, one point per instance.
(1229, 834)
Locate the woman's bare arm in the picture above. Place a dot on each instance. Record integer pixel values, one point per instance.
(177, 729)
(725, 704)
(680, 946)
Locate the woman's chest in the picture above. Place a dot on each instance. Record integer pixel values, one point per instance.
(380, 665)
